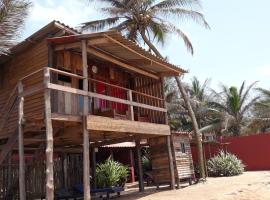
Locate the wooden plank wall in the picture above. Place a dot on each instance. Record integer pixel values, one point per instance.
(19, 66)
(160, 160)
(183, 161)
(36, 176)
(151, 87)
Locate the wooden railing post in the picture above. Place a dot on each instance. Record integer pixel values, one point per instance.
(20, 143)
(49, 138)
(131, 110)
(86, 159)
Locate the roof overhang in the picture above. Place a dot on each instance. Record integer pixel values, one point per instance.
(113, 44)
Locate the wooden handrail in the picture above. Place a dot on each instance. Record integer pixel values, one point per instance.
(126, 89)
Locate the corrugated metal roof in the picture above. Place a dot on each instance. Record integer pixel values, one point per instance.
(114, 43)
(51, 28)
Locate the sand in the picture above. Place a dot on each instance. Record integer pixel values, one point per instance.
(248, 186)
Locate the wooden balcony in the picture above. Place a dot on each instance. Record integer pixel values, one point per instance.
(113, 109)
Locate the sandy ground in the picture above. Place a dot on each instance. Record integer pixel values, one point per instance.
(248, 186)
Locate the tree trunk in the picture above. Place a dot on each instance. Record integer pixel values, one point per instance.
(190, 111)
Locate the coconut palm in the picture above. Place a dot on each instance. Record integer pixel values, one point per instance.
(150, 21)
(235, 104)
(12, 16)
(261, 113)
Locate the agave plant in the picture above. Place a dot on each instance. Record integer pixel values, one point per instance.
(111, 173)
(12, 16)
(225, 164)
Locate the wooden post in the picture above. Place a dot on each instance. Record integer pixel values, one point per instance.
(131, 110)
(86, 160)
(49, 138)
(140, 169)
(65, 172)
(131, 157)
(169, 147)
(171, 166)
(20, 144)
(94, 165)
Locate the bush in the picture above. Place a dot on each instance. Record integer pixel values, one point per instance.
(225, 164)
(111, 173)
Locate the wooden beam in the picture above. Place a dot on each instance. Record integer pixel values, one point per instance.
(102, 96)
(112, 141)
(74, 45)
(118, 62)
(86, 161)
(64, 117)
(140, 169)
(99, 123)
(49, 139)
(22, 193)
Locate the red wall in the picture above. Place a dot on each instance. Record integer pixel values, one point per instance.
(253, 150)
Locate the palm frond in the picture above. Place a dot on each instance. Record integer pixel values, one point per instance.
(244, 97)
(184, 14)
(12, 16)
(174, 3)
(173, 29)
(99, 25)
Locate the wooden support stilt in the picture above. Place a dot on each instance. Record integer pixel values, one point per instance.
(49, 139)
(140, 169)
(94, 166)
(171, 166)
(86, 160)
(65, 172)
(21, 145)
(131, 163)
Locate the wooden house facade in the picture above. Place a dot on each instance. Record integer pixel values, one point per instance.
(180, 149)
(62, 91)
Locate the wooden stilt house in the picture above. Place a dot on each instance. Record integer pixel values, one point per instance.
(66, 92)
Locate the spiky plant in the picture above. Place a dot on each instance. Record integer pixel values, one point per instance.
(225, 164)
(12, 17)
(111, 173)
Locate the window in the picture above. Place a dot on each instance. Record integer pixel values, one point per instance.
(183, 147)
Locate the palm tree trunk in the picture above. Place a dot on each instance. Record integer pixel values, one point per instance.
(190, 110)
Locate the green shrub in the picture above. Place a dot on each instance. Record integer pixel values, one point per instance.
(146, 164)
(225, 164)
(111, 173)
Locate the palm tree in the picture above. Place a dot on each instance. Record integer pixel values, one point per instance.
(12, 16)
(149, 21)
(261, 113)
(235, 105)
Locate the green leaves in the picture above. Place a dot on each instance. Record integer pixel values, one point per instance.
(111, 173)
(12, 16)
(225, 164)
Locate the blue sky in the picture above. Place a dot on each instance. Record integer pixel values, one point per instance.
(236, 48)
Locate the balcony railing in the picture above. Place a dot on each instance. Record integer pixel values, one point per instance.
(105, 99)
